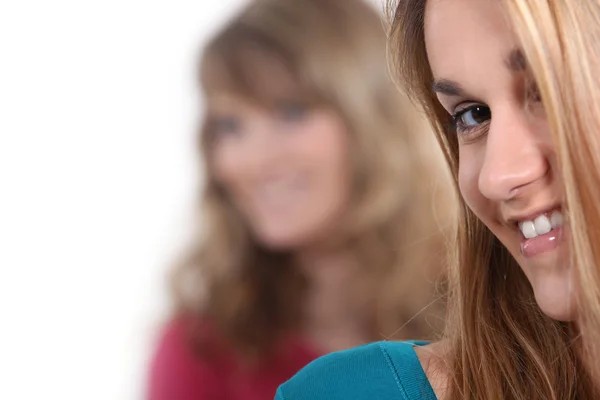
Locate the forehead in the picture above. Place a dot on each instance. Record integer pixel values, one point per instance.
(248, 73)
(464, 37)
(257, 79)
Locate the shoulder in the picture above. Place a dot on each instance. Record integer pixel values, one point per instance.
(376, 370)
(180, 340)
(177, 372)
(433, 359)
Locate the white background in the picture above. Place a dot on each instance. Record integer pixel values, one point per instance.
(98, 107)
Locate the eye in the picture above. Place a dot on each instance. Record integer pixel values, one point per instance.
(471, 122)
(533, 93)
(291, 111)
(472, 116)
(224, 126)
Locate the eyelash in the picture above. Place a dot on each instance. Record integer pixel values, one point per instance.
(219, 127)
(468, 133)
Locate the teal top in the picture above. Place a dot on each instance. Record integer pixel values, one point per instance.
(380, 370)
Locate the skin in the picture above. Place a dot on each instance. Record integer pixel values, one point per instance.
(507, 164)
(285, 169)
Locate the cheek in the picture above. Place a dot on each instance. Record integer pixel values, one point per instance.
(332, 155)
(471, 162)
(224, 165)
(336, 165)
(325, 145)
(468, 183)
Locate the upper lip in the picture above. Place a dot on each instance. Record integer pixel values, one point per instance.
(515, 219)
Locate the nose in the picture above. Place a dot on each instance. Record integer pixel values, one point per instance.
(262, 149)
(514, 157)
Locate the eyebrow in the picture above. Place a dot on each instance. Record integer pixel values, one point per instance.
(447, 87)
(516, 61)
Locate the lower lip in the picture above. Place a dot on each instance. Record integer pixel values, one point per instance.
(542, 244)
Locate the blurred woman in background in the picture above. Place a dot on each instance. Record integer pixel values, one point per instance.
(319, 226)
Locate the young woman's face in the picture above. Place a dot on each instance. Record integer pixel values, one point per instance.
(285, 169)
(508, 170)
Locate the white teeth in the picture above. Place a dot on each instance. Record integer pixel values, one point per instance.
(556, 219)
(528, 229)
(541, 225)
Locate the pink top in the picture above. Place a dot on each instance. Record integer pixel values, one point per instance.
(177, 373)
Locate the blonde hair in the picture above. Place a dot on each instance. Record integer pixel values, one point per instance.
(333, 52)
(501, 345)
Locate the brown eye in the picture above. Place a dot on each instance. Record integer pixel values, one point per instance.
(472, 116)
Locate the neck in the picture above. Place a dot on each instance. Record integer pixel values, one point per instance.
(334, 313)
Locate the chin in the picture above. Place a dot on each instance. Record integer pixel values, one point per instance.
(564, 313)
(280, 240)
(556, 297)
(291, 236)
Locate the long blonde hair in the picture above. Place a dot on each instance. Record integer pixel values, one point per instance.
(501, 345)
(334, 54)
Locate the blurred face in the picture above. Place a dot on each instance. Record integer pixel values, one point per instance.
(508, 172)
(285, 169)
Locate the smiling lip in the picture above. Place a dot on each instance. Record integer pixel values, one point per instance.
(531, 247)
(542, 243)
